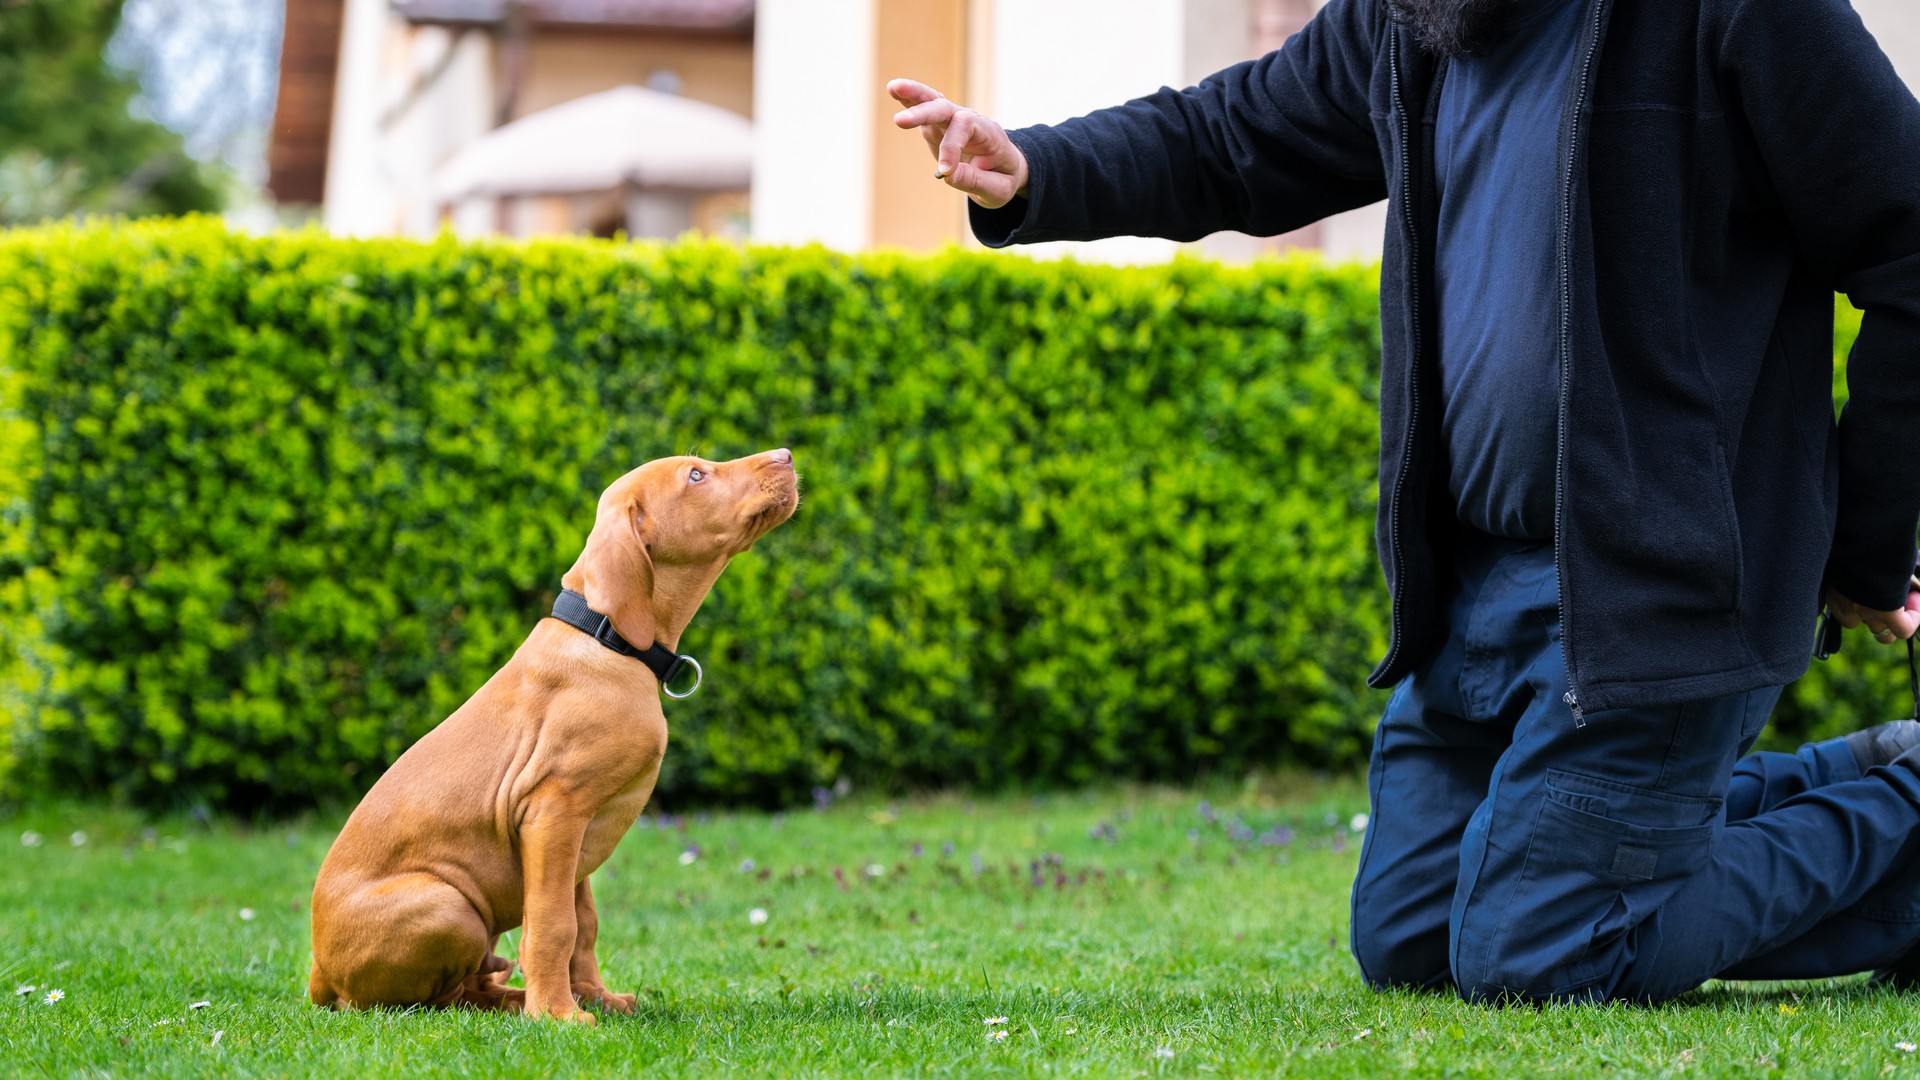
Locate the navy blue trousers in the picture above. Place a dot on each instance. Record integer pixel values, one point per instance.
(1514, 854)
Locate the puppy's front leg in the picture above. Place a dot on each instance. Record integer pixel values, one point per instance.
(550, 853)
(587, 985)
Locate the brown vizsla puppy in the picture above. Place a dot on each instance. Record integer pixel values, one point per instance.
(497, 816)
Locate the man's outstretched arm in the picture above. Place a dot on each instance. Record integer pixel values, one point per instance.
(1262, 147)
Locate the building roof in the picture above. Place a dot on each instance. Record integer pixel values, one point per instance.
(625, 137)
(639, 14)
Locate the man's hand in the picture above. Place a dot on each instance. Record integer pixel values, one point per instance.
(971, 153)
(1887, 626)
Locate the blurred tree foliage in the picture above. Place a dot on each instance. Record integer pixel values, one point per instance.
(69, 140)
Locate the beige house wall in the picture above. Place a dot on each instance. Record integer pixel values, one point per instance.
(814, 91)
(563, 65)
(407, 98)
(929, 39)
(1054, 59)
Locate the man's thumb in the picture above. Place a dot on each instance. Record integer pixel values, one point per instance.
(967, 177)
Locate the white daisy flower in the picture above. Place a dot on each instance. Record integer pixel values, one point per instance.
(77, 839)
(31, 839)
(687, 858)
(994, 1020)
(1359, 823)
(758, 916)
(1905, 1047)
(198, 1005)
(246, 914)
(55, 995)
(997, 1036)
(876, 870)
(24, 989)
(1163, 1052)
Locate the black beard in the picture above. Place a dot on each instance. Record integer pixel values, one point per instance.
(1449, 27)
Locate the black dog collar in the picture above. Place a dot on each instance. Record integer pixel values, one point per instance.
(572, 608)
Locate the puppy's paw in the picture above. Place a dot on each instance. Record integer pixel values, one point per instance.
(564, 1009)
(590, 994)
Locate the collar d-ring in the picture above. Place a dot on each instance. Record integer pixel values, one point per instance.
(699, 676)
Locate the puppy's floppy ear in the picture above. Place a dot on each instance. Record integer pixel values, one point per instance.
(617, 573)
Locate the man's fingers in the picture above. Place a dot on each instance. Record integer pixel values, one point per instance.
(909, 92)
(963, 177)
(953, 146)
(932, 112)
(991, 190)
(1906, 621)
(1886, 627)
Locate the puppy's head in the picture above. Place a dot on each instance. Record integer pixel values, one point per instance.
(675, 515)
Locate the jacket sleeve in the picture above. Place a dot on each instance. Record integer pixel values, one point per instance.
(1839, 133)
(1262, 147)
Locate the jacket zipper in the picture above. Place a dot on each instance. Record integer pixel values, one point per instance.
(1571, 697)
(1413, 381)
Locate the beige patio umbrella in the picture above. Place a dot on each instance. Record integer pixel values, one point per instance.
(627, 137)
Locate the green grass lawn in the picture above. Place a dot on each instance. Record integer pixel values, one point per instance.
(1125, 932)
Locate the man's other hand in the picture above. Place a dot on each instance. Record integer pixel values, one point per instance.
(971, 153)
(1887, 627)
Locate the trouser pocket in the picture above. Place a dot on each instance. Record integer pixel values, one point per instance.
(1602, 857)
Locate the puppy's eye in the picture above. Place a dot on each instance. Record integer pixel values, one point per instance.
(695, 476)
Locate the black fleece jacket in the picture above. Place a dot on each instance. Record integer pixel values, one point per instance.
(1725, 167)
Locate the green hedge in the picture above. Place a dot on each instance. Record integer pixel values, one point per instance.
(273, 506)
(277, 504)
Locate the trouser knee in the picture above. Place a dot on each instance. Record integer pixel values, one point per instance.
(1514, 952)
(1393, 953)
(1505, 981)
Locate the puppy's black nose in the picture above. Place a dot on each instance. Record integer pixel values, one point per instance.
(782, 456)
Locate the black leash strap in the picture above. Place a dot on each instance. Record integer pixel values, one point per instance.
(572, 608)
(1913, 678)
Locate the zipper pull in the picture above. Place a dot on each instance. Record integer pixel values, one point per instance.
(1579, 717)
